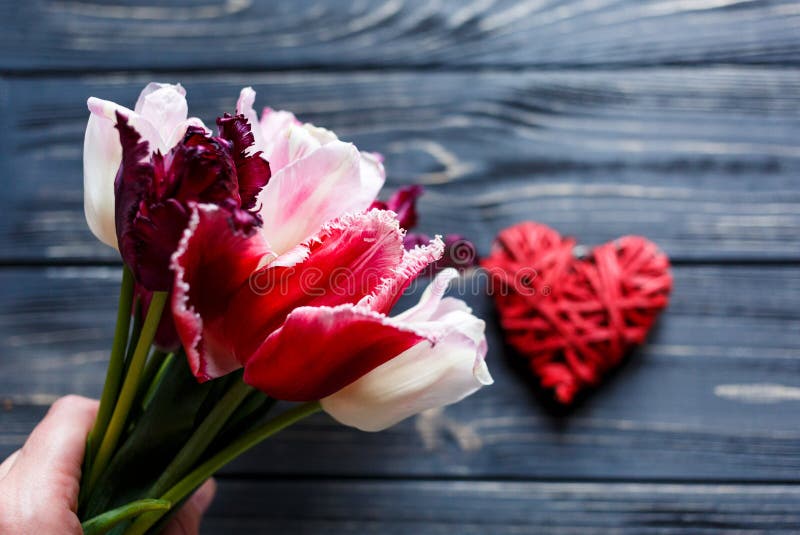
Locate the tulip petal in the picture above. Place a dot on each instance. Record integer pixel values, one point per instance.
(102, 155)
(414, 262)
(319, 350)
(132, 182)
(301, 197)
(151, 88)
(252, 170)
(347, 260)
(421, 378)
(445, 367)
(275, 126)
(244, 106)
(165, 107)
(430, 303)
(373, 175)
(180, 130)
(211, 263)
(146, 129)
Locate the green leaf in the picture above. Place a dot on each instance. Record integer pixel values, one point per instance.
(106, 521)
(177, 405)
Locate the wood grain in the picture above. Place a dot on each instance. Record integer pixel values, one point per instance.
(704, 161)
(713, 395)
(235, 34)
(500, 508)
(676, 119)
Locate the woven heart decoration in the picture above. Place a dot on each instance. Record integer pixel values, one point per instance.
(575, 319)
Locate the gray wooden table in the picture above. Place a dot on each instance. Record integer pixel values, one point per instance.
(679, 120)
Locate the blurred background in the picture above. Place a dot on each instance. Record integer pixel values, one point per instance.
(675, 119)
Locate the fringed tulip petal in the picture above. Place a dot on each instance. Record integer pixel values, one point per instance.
(319, 350)
(102, 155)
(252, 170)
(348, 259)
(134, 179)
(442, 369)
(244, 106)
(212, 262)
(421, 378)
(414, 262)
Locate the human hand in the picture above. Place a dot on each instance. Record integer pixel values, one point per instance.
(39, 483)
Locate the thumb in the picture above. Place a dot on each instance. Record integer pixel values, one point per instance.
(187, 520)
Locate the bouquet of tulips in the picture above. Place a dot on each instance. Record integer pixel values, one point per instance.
(258, 267)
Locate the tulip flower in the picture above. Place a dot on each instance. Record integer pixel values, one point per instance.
(160, 117)
(447, 366)
(316, 177)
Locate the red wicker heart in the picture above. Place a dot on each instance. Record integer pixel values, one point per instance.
(575, 318)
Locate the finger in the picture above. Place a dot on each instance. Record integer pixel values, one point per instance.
(51, 458)
(187, 520)
(7, 464)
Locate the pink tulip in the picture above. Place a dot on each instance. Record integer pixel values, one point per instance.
(315, 176)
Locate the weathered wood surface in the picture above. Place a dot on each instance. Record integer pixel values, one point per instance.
(89, 34)
(676, 119)
(703, 161)
(714, 394)
(500, 508)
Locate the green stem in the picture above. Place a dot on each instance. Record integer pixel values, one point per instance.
(115, 365)
(159, 376)
(154, 363)
(255, 405)
(207, 469)
(151, 369)
(129, 388)
(205, 433)
(136, 331)
(105, 522)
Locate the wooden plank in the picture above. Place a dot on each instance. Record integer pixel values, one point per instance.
(499, 508)
(713, 395)
(56, 34)
(704, 161)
